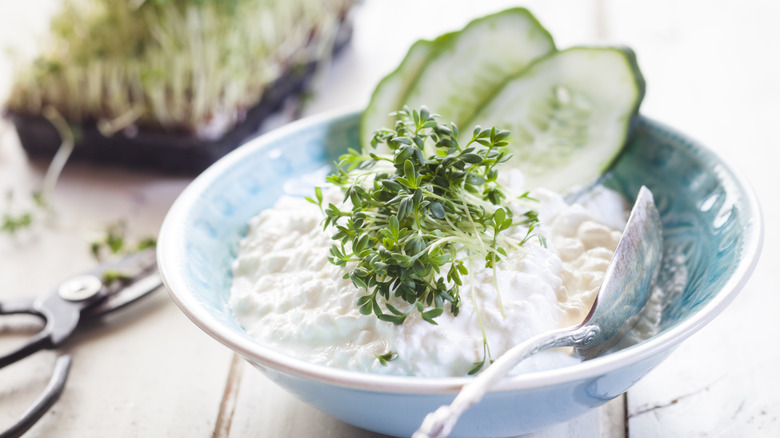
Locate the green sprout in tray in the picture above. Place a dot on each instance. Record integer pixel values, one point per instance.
(189, 67)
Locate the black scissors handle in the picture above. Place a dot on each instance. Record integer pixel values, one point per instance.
(59, 316)
(44, 401)
(85, 295)
(43, 339)
(37, 342)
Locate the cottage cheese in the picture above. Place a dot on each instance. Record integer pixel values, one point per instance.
(288, 296)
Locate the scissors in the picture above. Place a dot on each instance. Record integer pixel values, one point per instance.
(78, 299)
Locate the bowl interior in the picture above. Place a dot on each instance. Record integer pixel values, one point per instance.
(200, 236)
(711, 224)
(711, 220)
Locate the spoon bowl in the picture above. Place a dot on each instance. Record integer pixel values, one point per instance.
(627, 285)
(628, 281)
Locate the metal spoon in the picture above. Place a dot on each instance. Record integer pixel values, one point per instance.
(627, 285)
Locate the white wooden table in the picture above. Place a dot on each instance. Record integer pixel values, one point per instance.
(712, 70)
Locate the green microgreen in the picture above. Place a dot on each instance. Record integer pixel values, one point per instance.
(417, 213)
(486, 359)
(145, 243)
(112, 276)
(190, 66)
(12, 222)
(114, 242)
(387, 357)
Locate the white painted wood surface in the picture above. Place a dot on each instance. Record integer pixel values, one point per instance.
(712, 70)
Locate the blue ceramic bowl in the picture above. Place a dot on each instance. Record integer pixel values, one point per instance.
(711, 220)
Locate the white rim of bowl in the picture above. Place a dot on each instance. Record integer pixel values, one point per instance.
(254, 352)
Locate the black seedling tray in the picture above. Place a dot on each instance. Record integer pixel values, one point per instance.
(168, 152)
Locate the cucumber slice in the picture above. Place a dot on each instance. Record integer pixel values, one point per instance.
(389, 93)
(453, 74)
(569, 115)
(470, 66)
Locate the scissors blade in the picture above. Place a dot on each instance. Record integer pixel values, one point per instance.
(140, 288)
(125, 281)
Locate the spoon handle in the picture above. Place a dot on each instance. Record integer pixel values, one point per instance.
(439, 423)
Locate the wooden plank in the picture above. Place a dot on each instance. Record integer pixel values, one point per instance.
(147, 371)
(710, 74)
(143, 370)
(263, 408)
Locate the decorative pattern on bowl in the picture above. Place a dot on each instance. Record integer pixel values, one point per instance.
(703, 211)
